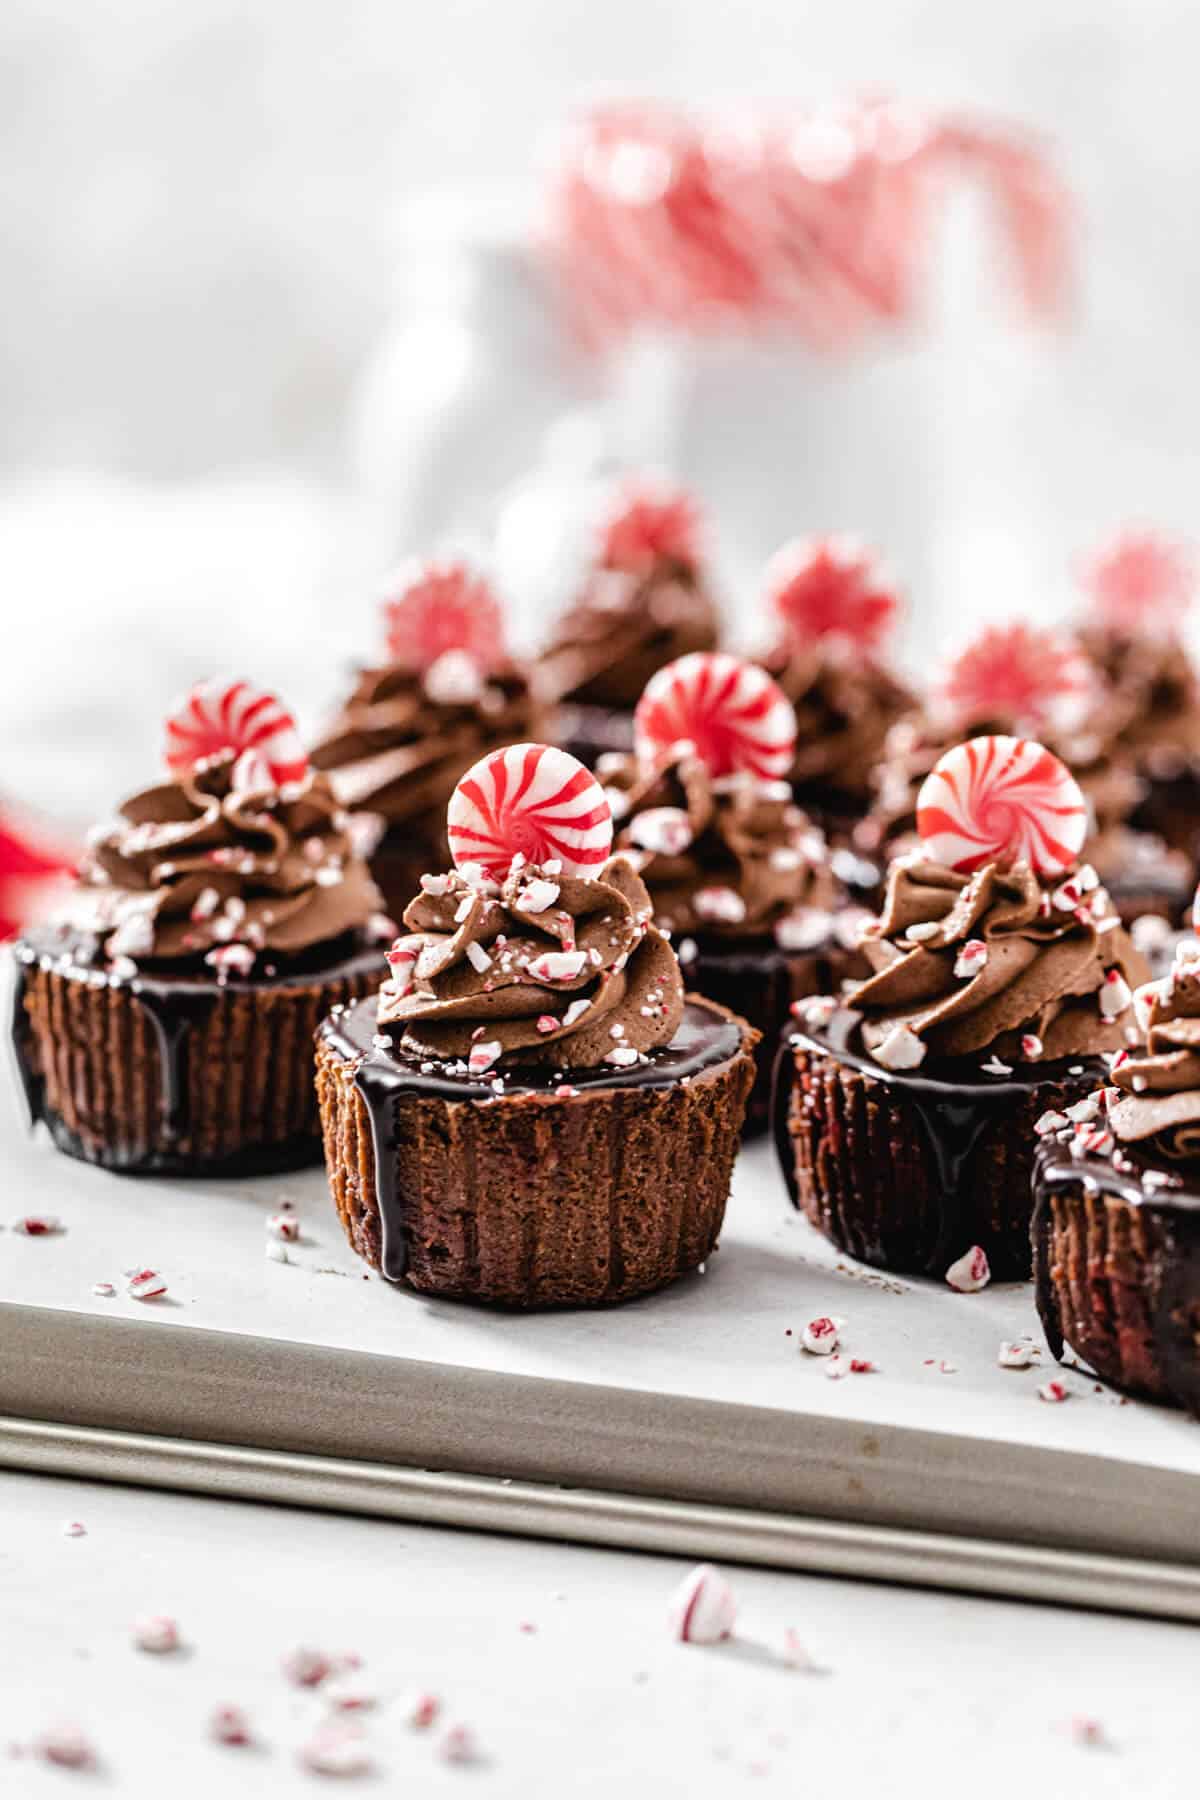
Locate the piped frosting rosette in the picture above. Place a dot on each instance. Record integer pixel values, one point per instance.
(447, 692)
(703, 813)
(243, 854)
(994, 941)
(644, 602)
(552, 961)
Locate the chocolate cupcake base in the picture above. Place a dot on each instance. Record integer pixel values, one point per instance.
(570, 1191)
(173, 1075)
(1117, 1269)
(906, 1170)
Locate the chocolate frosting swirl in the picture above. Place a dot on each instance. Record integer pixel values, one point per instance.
(198, 865)
(398, 749)
(844, 707)
(545, 969)
(963, 964)
(623, 628)
(1159, 1090)
(732, 857)
(1150, 717)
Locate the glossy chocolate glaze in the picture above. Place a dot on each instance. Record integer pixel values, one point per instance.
(706, 1038)
(1176, 1209)
(174, 1000)
(953, 1100)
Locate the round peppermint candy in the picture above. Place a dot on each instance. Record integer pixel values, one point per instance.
(831, 590)
(734, 716)
(435, 608)
(1004, 800)
(533, 801)
(1141, 582)
(232, 715)
(649, 523)
(1015, 674)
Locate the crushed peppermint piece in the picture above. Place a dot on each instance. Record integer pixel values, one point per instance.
(484, 1055)
(1094, 1140)
(306, 1668)
(1054, 1392)
(1032, 1047)
(419, 1710)
(65, 1746)
(457, 1745)
(993, 1066)
(1116, 995)
(546, 1022)
(276, 1251)
(703, 1608)
(1018, 1353)
(74, 1528)
(689, 950)
(283, 1225)
(805, 928)
(436, 886)
(336, 1748)
(1088, 1732)
(971, 958)
(231, 959)
(156, 1634)
(1051, 1121)
(923, 932)
(816, 1010)
(820, 1336)
(145, 1284)
(103, 1290)
(900, 1049)
(663, 830)
(971, 1271)
(839, 1366)
(464, 908)
(478, 958)
(229, 1725)
(558, 965)
(537, 896)
(39, 1225)
(720, 906)
(1084, 1111)
(623, 1056)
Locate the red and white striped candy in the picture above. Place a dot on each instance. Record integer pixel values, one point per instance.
(831, 588)
(650, 523)
(734, 716)
(1004, 800)
(437, 607)
(1015, 673)
(533, 801)
(1141, 582)
(232, 715)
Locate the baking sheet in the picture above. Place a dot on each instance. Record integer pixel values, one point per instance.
(698, 1397)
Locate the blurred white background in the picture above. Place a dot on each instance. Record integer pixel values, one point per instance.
(202, 241)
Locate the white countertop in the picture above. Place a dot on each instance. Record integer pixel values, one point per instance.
(923, 1692)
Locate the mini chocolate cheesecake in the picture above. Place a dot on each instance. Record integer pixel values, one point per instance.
(905, 1111)
(538, 1187)
(164, 1023)
(643, 603)
(447, 694)
(1116, 1226)
(531, 1113)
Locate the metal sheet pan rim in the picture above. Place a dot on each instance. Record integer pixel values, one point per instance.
(597, 1517)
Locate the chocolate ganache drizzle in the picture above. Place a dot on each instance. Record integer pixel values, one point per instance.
(729, 857)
